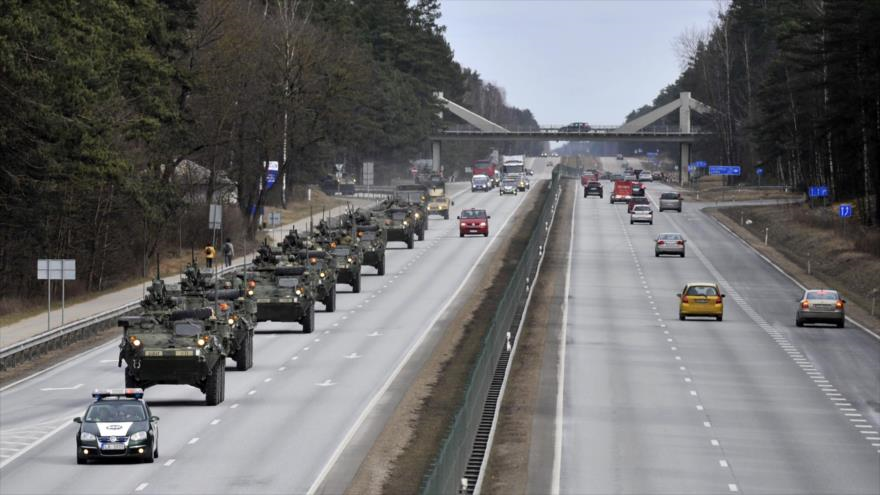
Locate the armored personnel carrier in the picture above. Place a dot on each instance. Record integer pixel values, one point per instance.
(321, 265)
(400, 226)
(415, 198)
(178, 347)
(284, 291)
(372, 239)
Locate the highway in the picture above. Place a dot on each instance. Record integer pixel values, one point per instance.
(286, 421)
(751, 404)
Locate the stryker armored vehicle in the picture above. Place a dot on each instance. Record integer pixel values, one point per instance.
(284, 291)
(178, 347)
(400, 226)
(414, 197)
(321, 265)
(349, 256)
(372, 239)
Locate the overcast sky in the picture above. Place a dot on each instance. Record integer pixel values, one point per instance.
(573, 61)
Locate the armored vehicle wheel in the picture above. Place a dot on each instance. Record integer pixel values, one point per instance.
(308, 321)
(356, 284)
(381, 267)
(410, 242)
(421, 233)
(330, 301)
(217, 380)
(426, 225)
(244, 358)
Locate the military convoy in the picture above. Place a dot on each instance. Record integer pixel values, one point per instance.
(187, 331)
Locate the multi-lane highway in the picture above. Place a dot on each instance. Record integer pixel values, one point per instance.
(751, 404)
(285, 422)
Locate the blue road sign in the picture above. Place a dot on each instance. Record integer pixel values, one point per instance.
(759, 171)
(701, 164)
(692, 168)
(845, 211)
(818, 191)
(724, 170)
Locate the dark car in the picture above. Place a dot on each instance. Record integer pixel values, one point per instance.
(117, 425)
(637, 200)
(593, 189)
(576, 127)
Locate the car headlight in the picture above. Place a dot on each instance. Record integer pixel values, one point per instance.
(201, 342)
(87, 437)
(231, 321)
(405, 223)
(322, 274)
(418, 215)
(250, 292)
(299, 292)
(349, 259)
(138, 436)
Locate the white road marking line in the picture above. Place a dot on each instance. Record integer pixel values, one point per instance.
(699, 407)
(193, 440)
(678, 358)
(836, 398)
(687, 379)
(282, 368)
(374, 334)
(53, 389)
(682, 368)
(141, 487)
(863, 426)
(714, 442)
(233, 406)
(326, 383)
(866, 432)
(294, 358)
(169, 462)
(673, 348)
(707, 424)
(267, 380)
(353, 355)
(306, 348)
(215, 422)
(732, 487)
(722, 463)
(317, 340)
(693, 393)
(872, 438)
(252, 392)
(326, 332)
(108, 361)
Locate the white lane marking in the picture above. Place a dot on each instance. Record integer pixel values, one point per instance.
(722, 463)
(267, 380)
(282, 368)
(193, 440)
(141, 487)
(687, 379)
(714, 442)
(353, 355)
(732, 487)
(52, 389)
(215, 422)
(306, 348)
(252, 392)
(707, 424)
(374, 334)
(693, 393)
(336, 324)
(233, 406)
(108, 361)
(412, 349)
(326, 383)
(317, 340)
(294, 358)
(699, 407)
(169, 462)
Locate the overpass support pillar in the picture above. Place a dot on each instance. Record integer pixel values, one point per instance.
(435, 156)
(684, 160)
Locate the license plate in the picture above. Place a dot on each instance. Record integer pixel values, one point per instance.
(183, 353)
(703, 301)
(153, 353)
(113, 446)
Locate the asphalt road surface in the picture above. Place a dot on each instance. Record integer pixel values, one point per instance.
(284, 421)
(751, 404)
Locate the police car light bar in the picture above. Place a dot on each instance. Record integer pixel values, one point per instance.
(134, 393)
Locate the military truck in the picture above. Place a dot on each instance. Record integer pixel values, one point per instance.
(284, 291)
(372, 239)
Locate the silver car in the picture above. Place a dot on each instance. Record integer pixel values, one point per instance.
(669, 243)
(821, 306)
(670, 201)
(641, 213)
(508, 186)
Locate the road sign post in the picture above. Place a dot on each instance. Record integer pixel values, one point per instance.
(845, 211)
(50, 270)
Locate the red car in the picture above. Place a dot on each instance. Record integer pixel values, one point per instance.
(473, 221)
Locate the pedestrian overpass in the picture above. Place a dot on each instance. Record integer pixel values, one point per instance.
(639, 129)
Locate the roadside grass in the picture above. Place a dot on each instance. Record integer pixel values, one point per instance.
(799, 236)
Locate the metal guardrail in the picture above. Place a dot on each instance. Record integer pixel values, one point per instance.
(451, 463)
(69, 333)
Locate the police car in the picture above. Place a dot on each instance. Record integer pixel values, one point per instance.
(117, 425)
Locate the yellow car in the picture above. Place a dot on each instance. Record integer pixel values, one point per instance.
(701, 299)
(439, 205)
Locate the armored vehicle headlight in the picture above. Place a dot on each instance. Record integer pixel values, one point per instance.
(299, 291)
(418, 215)
(350, 260)
(322, 274)
(138, 436)
(405, 223)
(201, 342)
(136, 342)
(250, 292)
(313, 260)
(87, 437)
(231, 321)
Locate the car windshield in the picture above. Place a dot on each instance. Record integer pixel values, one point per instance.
(670, 237)
(399, 215)
(823, 295)
(480, 180)
(702, 290)
(642, 209)
(594, 184)
(115, 412)
(669, 196)
(473, 214)
(188, 328)
(509, 183)
(288, 282)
